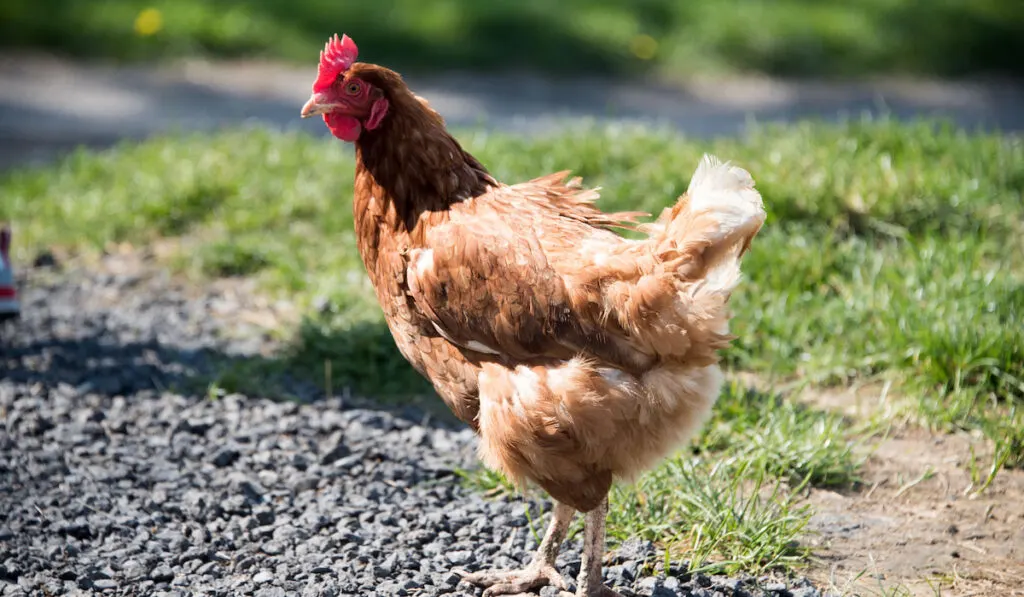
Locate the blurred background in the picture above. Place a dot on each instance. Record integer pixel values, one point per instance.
(91, 72)
(882, 310)
(818, 38)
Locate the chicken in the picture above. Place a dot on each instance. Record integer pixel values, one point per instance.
(579, 357)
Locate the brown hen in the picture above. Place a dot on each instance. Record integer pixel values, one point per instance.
(579, 357)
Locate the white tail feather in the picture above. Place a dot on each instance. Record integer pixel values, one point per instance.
(728, 192)
(725, 193)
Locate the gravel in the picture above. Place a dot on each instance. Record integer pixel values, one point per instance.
(117, 481)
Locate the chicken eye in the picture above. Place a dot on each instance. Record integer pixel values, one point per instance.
(352, 88)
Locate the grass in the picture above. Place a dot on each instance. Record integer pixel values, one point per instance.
(721, 517)
(790, 37)
(770, 436)
(892, 252)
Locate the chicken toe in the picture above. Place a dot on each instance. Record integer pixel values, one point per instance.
(516, 582)
(539, 573)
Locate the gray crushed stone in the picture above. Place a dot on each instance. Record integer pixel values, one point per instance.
(114, 481)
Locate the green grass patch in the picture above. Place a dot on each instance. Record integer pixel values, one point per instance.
(892, 252)
(791, 37)
(721, 517)
(772, 436)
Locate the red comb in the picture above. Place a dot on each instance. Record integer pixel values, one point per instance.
(336, 57)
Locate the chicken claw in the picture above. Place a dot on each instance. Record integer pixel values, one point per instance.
(539, 573)
(515, 582)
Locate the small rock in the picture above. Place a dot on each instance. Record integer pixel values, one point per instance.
(133, 569)
(226, 457)
(389, 564)
(636, 550)
(411, 585)
(335, 454)
(619, 574)
(460, 557)
(449, 580)
(263, 576)
(250, 491)
(78, 530)
(161, 573)
(630, 570)
(648, 583)
(306, 483)
(207, 569)
(272, 548)
(264, 515)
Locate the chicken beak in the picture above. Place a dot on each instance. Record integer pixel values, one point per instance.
(317, 104)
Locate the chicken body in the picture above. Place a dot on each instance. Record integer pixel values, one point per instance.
(578, 356)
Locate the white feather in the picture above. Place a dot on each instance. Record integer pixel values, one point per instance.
(472, 344)
(728, 192)
(424, 262)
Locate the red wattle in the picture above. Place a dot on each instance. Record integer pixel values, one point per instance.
(345, 128)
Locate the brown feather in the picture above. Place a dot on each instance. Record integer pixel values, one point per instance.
(579, 356)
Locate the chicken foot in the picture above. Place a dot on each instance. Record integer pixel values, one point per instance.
(540, 572)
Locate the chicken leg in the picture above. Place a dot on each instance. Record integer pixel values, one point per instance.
(541, 570)
(589, 583)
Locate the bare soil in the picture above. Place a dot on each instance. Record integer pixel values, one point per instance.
(918, 524)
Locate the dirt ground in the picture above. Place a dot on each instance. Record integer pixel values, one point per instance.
(918, 525)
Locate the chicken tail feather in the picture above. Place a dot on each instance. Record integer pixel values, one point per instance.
(711, 227)
(727, 193)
